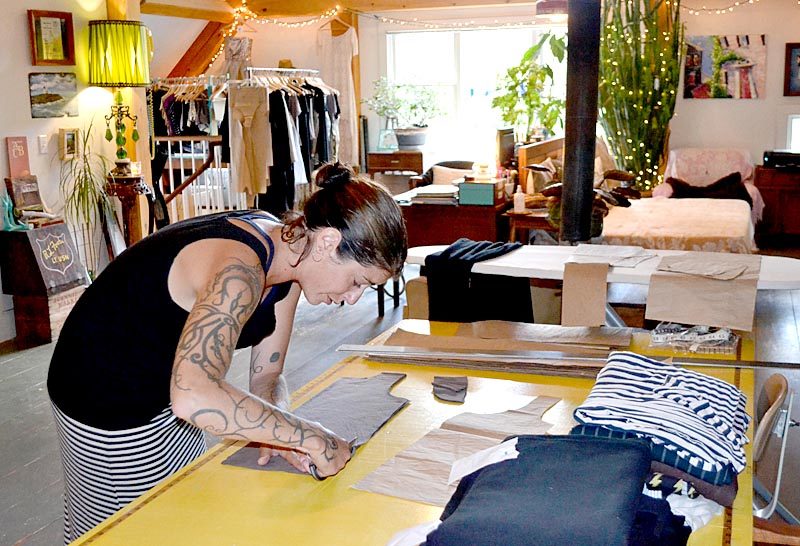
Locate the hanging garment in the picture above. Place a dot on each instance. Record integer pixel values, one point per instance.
(279, 196)
(693, 415)
(322, 145)
(355, 408)
(337, 59)
(298, 170)
(304, 128)
(250, 138)
(237, 57)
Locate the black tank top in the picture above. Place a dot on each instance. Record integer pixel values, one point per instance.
(112, 363)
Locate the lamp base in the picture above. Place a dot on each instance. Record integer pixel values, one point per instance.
(123, 168)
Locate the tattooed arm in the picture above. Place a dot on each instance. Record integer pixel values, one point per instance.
(266, 370)
(199, 392)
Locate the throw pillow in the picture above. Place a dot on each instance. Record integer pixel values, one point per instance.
(727, 187)
(446, 175)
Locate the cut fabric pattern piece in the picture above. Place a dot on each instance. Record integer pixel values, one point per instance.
(711, 289)
(450, 389)
(420, 472)
(355, 408)
(525, 420)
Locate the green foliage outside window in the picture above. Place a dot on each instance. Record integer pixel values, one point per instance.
(525, 93)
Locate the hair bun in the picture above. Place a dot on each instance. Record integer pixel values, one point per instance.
(334, 174)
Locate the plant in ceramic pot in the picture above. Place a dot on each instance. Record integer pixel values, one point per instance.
(525, 92)
(82, 182)
(406, 108)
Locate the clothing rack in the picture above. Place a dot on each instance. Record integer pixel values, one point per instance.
(208, 79)
(288, 72)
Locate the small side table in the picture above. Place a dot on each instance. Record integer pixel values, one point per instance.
(526, 221)
(128, 189)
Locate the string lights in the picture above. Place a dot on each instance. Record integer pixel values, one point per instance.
(243, 15)
(703, 10)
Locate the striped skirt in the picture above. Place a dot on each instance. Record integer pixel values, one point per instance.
(104, 470)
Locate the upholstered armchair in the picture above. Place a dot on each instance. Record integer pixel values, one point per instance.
(441, 173)
(701, 167)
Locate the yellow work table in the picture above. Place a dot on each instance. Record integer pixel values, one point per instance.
(209, 503)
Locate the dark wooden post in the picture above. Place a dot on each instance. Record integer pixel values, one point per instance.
(583, 58)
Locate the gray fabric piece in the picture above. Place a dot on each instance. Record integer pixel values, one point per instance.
(355, 408)
(450, 389)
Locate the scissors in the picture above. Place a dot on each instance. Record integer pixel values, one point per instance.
(312, 468)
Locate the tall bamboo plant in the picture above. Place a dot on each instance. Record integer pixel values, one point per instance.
(81, 183)
(641, 48)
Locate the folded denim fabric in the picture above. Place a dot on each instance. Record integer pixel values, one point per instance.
(663, 455)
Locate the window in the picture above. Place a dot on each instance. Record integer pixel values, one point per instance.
(464, 66)
(794, 133)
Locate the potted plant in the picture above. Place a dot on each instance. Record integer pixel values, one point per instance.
(641, 51)
(81, 182)
(525, 93)
(406, 109)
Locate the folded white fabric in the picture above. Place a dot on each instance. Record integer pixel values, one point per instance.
(699, 417)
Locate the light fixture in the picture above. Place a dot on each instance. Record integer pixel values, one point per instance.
(119, 56)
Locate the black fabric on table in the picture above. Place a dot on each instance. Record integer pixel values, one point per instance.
(727, 187)
(656, 525)
(457, 295)
(559, 491)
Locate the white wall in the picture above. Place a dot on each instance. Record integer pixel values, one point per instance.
(758, 124)
(172, 36)
(15, 114)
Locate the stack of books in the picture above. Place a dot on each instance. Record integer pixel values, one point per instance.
(436, 194)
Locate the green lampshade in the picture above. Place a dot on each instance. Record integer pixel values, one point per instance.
(119, 53)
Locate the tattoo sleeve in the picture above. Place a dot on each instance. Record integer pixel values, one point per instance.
(204, 353)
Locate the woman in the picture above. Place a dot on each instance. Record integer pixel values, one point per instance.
(138, 372)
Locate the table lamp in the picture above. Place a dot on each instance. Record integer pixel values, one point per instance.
(119, 56)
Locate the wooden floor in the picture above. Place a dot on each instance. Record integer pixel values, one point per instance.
(30, 468)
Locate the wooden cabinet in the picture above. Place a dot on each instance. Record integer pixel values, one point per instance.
(445, 224)
(42, 270)
(378, 162)
(780, 189)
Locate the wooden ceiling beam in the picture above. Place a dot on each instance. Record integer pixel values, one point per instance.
(197, 58)
(169, 10)
(293, 8)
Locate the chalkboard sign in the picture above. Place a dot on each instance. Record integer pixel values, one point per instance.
(40, 261)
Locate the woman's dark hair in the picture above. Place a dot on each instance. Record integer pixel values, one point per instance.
(369, 219)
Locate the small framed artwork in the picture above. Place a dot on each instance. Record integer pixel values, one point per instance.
(387, 141)
(68, 140)
(51, 36)
(791, 75)
(53, 94)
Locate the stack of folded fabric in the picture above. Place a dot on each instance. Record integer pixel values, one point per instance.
(696, 426)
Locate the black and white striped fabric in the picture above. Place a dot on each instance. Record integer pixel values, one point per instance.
(105, 470)
(700, 418)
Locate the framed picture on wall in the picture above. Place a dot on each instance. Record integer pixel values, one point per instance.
(52, 39)
(68, 140)
(791, 75)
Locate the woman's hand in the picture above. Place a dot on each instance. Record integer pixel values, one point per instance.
(298, 460)
(328, 452)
